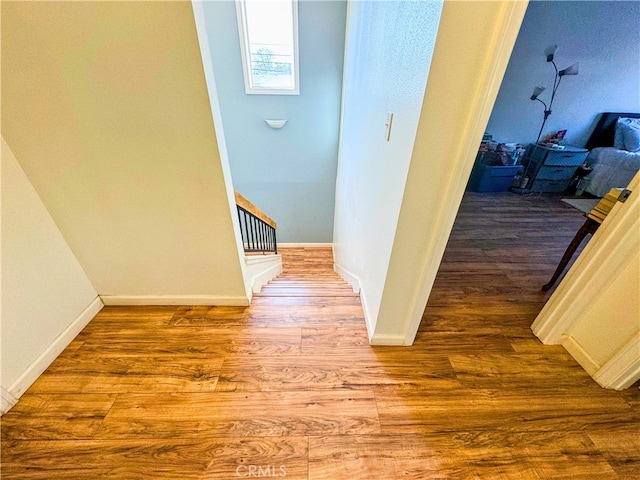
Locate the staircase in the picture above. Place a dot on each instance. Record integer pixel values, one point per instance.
(307, 272)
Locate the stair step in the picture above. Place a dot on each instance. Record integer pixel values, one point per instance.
(303, 287)
(310, 286)
(309, 275)
(307, 286)
(287, 293)
(310, 278)
(298, 281)
(308, 272)
(290, 283)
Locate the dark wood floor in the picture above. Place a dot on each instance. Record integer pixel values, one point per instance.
(290, 387)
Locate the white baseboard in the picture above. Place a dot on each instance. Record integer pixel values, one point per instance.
(623, 370)
(34, 370)
(387, 339)
(368, 320)
(8, 401)
(258, 259)
(579, 354)
(304, 245)
(262, 269)
(213, 300)
(354, 281)
(374, 338)
(348, 277)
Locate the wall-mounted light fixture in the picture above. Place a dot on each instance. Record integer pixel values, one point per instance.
(276, 124)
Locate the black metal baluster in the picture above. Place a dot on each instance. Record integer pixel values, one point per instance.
(258, 227)
(267, 233)
(240, 213)
(272, 244)
(246, 230)
(257, 235)
(245, 235)
(253, 232)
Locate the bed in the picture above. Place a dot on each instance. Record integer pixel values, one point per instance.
(612, 167)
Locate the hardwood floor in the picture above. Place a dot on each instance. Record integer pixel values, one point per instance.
(290, 387)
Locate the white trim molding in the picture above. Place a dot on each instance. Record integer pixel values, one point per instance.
(305, 245)
(620, 372)
(368, 319)
(387, 339)
(348, 277)
(8, 401)
(581, 356)
(34, 370)
(355, 284)
(213, 300)
(623, 369)
(261, 269)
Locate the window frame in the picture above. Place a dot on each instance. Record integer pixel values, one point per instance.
(246, 55)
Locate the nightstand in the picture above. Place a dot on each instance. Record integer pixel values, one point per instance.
(550, 169)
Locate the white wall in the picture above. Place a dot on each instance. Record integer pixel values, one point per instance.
(471, 53)
(105, 106)
(472, 50)
(289, 173)
(45, 292)
(616, 310)
(388, 54)
(595, 311)
(603, 36)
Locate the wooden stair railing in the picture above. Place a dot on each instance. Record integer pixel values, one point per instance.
(257, 228)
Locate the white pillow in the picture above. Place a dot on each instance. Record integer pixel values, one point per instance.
(627, 134)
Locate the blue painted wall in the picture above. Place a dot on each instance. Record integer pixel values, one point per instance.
(603, 36)
(289, 173)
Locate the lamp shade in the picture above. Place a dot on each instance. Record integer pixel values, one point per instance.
(550, 52)
(571, 70)
(537, 91)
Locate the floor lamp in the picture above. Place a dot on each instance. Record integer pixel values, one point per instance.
(571, 70)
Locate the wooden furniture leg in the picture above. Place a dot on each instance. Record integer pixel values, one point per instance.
(589, 227)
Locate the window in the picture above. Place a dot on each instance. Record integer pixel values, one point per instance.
(269, 46)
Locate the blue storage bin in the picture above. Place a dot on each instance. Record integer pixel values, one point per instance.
(486, 178)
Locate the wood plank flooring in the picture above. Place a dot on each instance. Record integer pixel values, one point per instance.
(290, 387)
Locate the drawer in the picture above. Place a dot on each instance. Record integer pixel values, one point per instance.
(549, 185)
(561, 158)
(547, 172)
